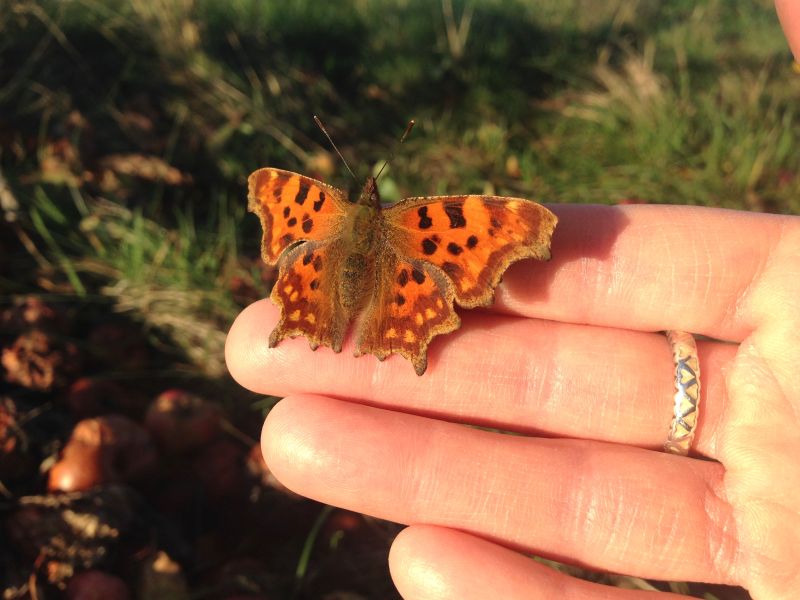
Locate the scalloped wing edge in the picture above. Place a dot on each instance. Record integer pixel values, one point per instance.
(254, 206)
(453, 322)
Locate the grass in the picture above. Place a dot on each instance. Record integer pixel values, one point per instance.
(127, 129)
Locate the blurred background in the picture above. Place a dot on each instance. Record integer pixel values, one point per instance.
(128, 457)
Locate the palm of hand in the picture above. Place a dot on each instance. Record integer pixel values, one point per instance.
(758, 438)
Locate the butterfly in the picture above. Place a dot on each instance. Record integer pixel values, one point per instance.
(399, 269)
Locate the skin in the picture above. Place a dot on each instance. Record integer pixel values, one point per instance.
(789, 15)
(567, 356)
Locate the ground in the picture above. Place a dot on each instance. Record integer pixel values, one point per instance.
(127, 131)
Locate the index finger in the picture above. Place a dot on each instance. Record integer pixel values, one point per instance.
(647, 268)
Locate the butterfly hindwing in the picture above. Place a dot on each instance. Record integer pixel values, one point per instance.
(292, 208)
(307, 293)
(410, 304)
(472, 239)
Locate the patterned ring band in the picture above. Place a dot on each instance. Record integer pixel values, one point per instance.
(687, 395)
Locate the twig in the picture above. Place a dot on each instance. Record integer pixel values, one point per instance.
(237, 433)
(457, 34)
(8, 203)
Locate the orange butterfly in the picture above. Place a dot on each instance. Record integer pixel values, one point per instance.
(400, 267)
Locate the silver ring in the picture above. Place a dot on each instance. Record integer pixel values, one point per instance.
(687, 394)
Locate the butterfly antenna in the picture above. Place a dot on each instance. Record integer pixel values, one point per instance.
(403, 137)
(327, 135)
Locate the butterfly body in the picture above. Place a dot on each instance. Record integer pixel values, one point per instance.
(360, 236)
(397, 270)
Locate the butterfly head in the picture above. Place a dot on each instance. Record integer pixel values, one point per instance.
(369, 194)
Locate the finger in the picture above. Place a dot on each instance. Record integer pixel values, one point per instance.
(789, 15)
(604, 506)
(434, 562)
(648, 268)
(512, 373)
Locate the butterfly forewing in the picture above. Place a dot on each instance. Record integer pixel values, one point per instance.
(472, 239)
(292, 208)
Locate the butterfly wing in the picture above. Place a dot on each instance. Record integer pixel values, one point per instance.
(307, 293)
(308, 214)
(410, 304)
(441, 249)
(293, 208)
(472, 239)
(436, 250)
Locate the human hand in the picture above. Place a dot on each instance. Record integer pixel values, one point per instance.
(567, 357)
(789, 15)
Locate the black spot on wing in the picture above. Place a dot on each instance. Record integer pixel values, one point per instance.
(308, 225)
(400, 300)
(314, 284)
(424, 220)
(292, 222)
(317, 264)
(318, 203)
(429, 246)
(417, 275)
(287, 238)
(472, 241)
(307, 258)
(302, 193)
(286, 211)
(454, 249)
(455, 212)
(402, 279)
